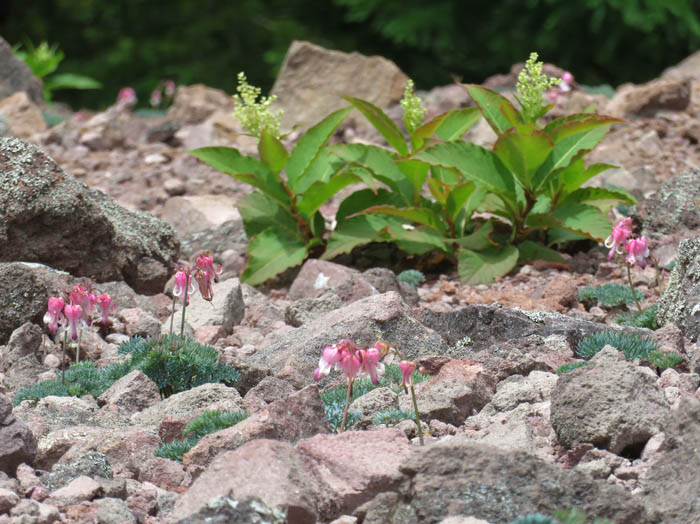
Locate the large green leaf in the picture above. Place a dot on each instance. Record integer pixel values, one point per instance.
(497, 109)
(474, 162)
(70, 81)
(529, 251)
(382, 123)
(260, 212)
(582, 219)
(418, 240)
(246, 169)
(601, 197)
(310, 146)
(565, 150)
(416, 172)
(481, 267)
(270, 253)
(458, 122)
(364, 198)
(426, 130)
(320, 170)
(320, 192)
(420, 215)
(465, 197)
(579, 174)
(380, 163)
(273, 154)
(357, 232)
(523, 153)
(580, 125)
(479, 239)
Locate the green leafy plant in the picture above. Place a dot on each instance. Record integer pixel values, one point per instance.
(43, 60)
(665, 359)
(633, 346)
(392, 416)
(177, 364)
(570, 366)
(609, 295)
(565, 516)
(644, 319)
(202, 425)
(412, 277)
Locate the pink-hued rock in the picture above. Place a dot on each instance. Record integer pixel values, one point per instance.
(298, 416)
(268, 469)
(164, 473)
(8, 500)
(132, 393)
(80, 489)
(319, 276)
(28, 480)
(461, 388)
(353, 466)
(17, 442)
(22, 115)
(139, 323)
(209, 334)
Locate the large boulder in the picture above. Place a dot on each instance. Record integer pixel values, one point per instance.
(47, 216)
(613, 405)
(312, 80)
(679, 303)
(17, 76)
(20, 359)
(458, 477)
(23, 116)
(672, 484)
(294, 355)
(17, 442)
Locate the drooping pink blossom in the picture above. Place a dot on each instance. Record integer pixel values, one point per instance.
(205, 262)
(618, 237)
(156, 97)
(330, 357)
(371, 365)
(183, 285)
(205, 288)
(169, 87)
(104, 302)
(73, 313)
(86, 300)
(567, 80)
(407, 369)
(350, 364)
(637, 252)
(54, 314)
(127, 95)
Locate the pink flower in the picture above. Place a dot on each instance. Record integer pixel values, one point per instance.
(566, 80)
(169, 87)
(127, 95)
(619, 235)
(54, 314)
(183, 285)
(104, 302)
(407, 369)
(156, 97)
(637, 252)
(205, 289)
(73, 313)
(330, 357)
(87, 301)
(371, 364)
(350, 364)
(552, 95)
(205, 262)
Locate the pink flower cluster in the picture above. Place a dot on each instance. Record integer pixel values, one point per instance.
(203, 273)
(79, 311)
(127, 95)
(355, 361)
(167, 88)
(636, 248)
(565, 85)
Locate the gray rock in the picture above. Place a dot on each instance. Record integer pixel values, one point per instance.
(17, 442)
(307, 71)
(226, 309)
(139, 323)
(20, 359)
(111, 510)
(456, 476)
(681, 298)
(25, 296)
(305, 310)
(132, 393)
(294, 355)
(673, 207)
(672, 484)
(90, 464)
(224, 510)
(371, 403)
(47, 216)
(17, 76)
(616, 406)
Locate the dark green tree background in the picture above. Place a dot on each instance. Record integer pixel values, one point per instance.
(140, 42)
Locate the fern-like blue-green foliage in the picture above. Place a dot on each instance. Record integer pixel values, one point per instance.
(535, 518)
(334, 398)
(665, 359)
(174, 364)
(392, 416)
(570, 366)
(206, 423)
(411, 276)
(609, 295)
(645, 319)
(566, 516)
(634, 347)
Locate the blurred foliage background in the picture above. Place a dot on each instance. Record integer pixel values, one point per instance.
(140, 42)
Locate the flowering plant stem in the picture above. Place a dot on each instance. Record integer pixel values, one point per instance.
(415, 410)
(347, 405)
(184, 306)
(172, 316)
(629, 278)
(63, 359)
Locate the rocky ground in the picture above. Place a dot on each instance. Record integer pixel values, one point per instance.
(506, 436)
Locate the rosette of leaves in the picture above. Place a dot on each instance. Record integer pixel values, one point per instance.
(644, 319)
(633, 346)
(399, 212)
(392, 416)
(609, 295)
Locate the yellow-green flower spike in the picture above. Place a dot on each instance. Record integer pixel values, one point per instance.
(413, 110)
(254, 116)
